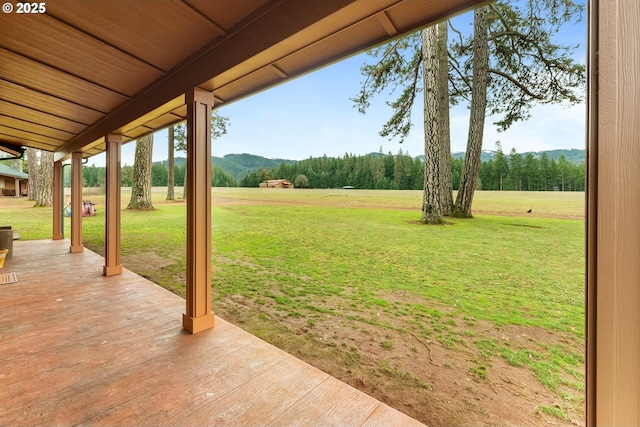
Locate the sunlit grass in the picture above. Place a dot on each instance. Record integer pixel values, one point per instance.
(348, 253)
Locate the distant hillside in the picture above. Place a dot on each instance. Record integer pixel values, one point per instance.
(573, 155)
(240, 165)
(237, 165)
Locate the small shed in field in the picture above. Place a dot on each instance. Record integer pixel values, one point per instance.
(13, 182)
(276, 183)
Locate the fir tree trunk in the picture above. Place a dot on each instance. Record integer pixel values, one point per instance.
(431, 206)
(32, 164)
(44, 190)
(446, 180)
(469, 176)
(184, 188)
(141, 187)
(170, 164)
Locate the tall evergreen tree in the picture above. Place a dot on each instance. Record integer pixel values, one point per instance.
(444, 141)
(141, 187)
(32, 166)
(516, 169)
(171, 163)
(469, 178)
(531, 172)
(523, 67)
(501, 167)
(431, 201)
(44, 178)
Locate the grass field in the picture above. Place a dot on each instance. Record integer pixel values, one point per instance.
(347, 280)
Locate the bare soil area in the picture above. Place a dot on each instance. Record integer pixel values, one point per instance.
(419, 377)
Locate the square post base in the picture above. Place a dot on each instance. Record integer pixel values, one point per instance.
(111, 270)
(198, 324)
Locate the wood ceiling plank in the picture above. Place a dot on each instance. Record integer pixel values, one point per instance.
(226, 13)
(163, 121)
(138, 132)
(42, 78)
(159, 41)
(324, 50)
(39, 101)
(60, 135)
(26, 138)
(69, 50)
(409, 15)
(384, 20)
(181, 111)
(146, 118)
(29, 115)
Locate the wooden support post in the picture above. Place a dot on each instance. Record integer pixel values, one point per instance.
(199, 315)
(112, 261)
(76, 203)
(57, 201)
(613, 203)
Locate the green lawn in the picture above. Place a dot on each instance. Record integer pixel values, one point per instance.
(356, 255)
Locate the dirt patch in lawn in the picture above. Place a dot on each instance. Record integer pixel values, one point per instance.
(437, 385)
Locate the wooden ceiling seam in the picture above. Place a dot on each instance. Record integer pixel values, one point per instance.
(71, 50)
(43, 112)
(235, 30)
(35, 133)
(278, 71)
(69, 81)
(106, 43)
(386, 23)
(173, 114)
(217, 27)
(30, 122)
(28, 137)
(22, 140)
(53, 96)
(154, 114)
(68, 73)
(55, 123)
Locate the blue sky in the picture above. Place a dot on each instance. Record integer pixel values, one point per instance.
(313, 116)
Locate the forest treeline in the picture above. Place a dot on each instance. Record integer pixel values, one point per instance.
(380, 171)
(402, 172)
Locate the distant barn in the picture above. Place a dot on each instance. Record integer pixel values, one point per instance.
(276, 183)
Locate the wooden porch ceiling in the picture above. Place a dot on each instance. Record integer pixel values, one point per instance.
(82, 70)
(105, 351)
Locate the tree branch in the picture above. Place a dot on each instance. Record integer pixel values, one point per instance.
(455, 66)
(516, 82)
